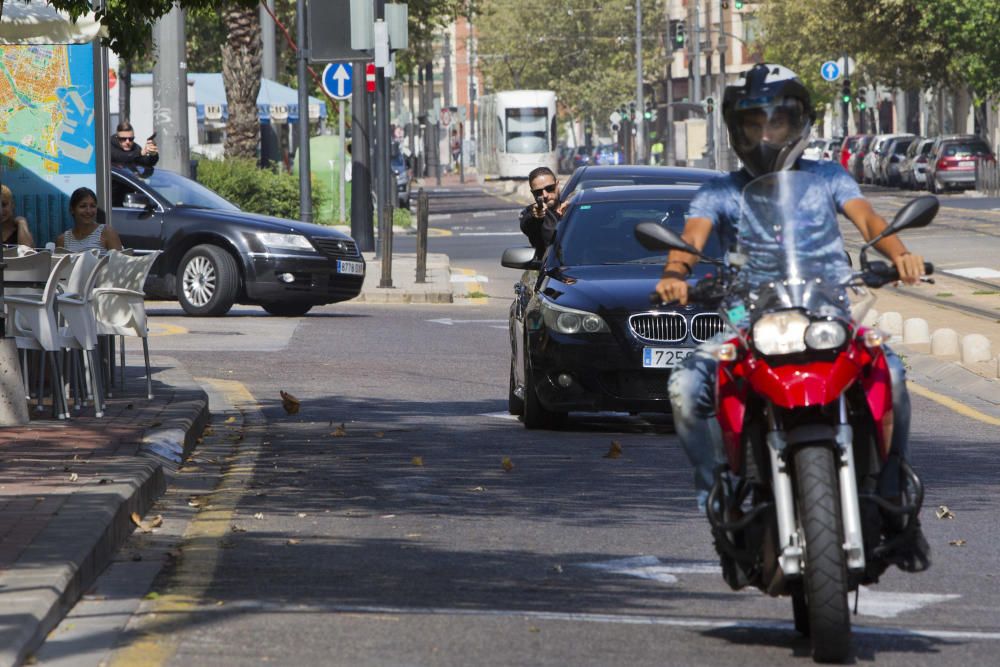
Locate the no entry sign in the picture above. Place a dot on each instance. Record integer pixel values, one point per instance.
(370, 77)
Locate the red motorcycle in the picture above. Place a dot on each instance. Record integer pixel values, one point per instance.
(804, 401)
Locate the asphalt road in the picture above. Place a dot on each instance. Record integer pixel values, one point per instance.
(380, 525)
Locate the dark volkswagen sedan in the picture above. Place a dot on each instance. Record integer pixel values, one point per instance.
(215, 255)
(583, 334)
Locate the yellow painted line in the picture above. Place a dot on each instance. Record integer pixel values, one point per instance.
(952, 404)
(155, 641)
(437, 231)
(163, 329)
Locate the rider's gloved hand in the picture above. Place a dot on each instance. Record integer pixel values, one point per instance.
(910, 267)
(673, 289)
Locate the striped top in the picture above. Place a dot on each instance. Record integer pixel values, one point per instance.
(92, 240)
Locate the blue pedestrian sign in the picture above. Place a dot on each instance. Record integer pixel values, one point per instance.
(830, 70)
(337, 80)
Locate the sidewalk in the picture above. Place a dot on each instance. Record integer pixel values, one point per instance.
(67, 490)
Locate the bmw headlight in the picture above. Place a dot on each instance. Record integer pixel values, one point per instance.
(571, 321)
(780, 333)
(825, 335)
(275, 241)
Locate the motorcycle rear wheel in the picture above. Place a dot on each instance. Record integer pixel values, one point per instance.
(825, 577)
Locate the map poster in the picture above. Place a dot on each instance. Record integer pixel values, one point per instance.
(47, 131)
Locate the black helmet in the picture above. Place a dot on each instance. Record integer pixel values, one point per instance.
(769, 116)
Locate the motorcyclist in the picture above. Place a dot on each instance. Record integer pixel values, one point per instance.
(769, 115)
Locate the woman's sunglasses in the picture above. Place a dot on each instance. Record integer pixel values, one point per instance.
(548, 188)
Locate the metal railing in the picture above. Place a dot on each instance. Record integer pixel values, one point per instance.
(988, 178)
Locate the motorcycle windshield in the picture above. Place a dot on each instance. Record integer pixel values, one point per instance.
(791, 244)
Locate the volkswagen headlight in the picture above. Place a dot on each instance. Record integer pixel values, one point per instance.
(571, 321)
(275, 241)
(825, 335)
(780, 333)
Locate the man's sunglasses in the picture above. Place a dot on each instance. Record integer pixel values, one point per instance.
(121, 138)
(548, 188)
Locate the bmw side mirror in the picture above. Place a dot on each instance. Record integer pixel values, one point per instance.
(520, 258)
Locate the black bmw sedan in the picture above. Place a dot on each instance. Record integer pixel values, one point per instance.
(215, 255)
(583, 333)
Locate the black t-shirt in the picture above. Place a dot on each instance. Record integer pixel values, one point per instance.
(541, 232)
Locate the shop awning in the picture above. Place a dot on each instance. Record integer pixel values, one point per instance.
(35, 22)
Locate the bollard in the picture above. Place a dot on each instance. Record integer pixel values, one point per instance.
(975, 348)
(916, 331)
(422, 216)
(385, 243)
(891, 323)
(944, 343)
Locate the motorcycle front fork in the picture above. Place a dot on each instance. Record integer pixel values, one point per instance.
(790, 536)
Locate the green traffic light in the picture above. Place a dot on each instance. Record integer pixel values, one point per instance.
(647, 115)
(847, 99)
(738, 4)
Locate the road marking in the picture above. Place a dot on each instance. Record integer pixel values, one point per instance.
(975, 272)
(164, 329)
(155, 641)
(474, 278)
(437, 231)
(619, 619)
(473, 281)
(450, 322)
(880, 604)
(500, 415)
(439, 216)
(489, 233)
(494, 213)
(952, 404)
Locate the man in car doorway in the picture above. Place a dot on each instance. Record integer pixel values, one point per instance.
(539, 220)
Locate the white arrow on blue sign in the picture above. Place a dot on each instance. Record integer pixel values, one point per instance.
(830, 70)
(337, 80)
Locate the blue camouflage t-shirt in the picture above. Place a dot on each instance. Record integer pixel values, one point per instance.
(720, 201)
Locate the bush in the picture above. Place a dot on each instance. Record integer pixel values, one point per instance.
(267, 191)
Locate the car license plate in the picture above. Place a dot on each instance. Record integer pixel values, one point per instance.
(664, 357)
(353, 268)
(967, 163)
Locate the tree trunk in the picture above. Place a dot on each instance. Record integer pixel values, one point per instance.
(241, 72)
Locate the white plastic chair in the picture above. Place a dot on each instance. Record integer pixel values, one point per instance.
(119, 303)
(33, 322)
(76, 307)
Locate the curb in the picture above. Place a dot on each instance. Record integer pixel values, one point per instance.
(81, 540)
(437, 289)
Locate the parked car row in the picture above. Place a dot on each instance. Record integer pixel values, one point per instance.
(905, 160)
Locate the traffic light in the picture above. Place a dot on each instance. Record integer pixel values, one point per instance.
(845, 92)
(862, 99)
(709, 104)
(738, 4)
(647, 113)
(631, 110)
(677, 35)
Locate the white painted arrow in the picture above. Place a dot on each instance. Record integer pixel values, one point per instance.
(451, 322)
(341, 76)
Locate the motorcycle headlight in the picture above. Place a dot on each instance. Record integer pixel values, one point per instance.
(571, 321)
(285, 241)
(825, 335)
(780, 333)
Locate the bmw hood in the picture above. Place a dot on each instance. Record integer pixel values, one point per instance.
(604, 288)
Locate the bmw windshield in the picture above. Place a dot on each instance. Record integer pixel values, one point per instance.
(180, 191)
(602, 232)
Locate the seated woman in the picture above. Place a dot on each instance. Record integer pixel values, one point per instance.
(86, 233)
(13, 230)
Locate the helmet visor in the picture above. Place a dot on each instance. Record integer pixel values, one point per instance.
(768, 122)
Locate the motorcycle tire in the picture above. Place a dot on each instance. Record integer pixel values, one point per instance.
(825, 570)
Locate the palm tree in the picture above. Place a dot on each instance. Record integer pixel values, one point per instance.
(241, 72)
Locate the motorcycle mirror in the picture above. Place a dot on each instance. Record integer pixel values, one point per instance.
(520, 258)
(656, 237)
(917, 213)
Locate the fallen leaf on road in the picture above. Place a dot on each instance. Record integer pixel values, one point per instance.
(292, 542)
(478, 488)
(957, 543)
(417, 460)
(237, 529)
(136, 519)
(379, 434)
(157, 521)
(146, 526)
(339, 432)
(73, 477)
(231, 420)
(944, 513)
(615, 451)
(104, 480)
(507, 464)
(152, 595)
(258, 515)
(289, 402)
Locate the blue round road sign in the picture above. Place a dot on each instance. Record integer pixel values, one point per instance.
(830, 70)
(337, 80)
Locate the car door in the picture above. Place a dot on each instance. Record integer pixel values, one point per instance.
(136, 215)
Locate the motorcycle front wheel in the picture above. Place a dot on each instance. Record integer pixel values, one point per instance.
(825, 570)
